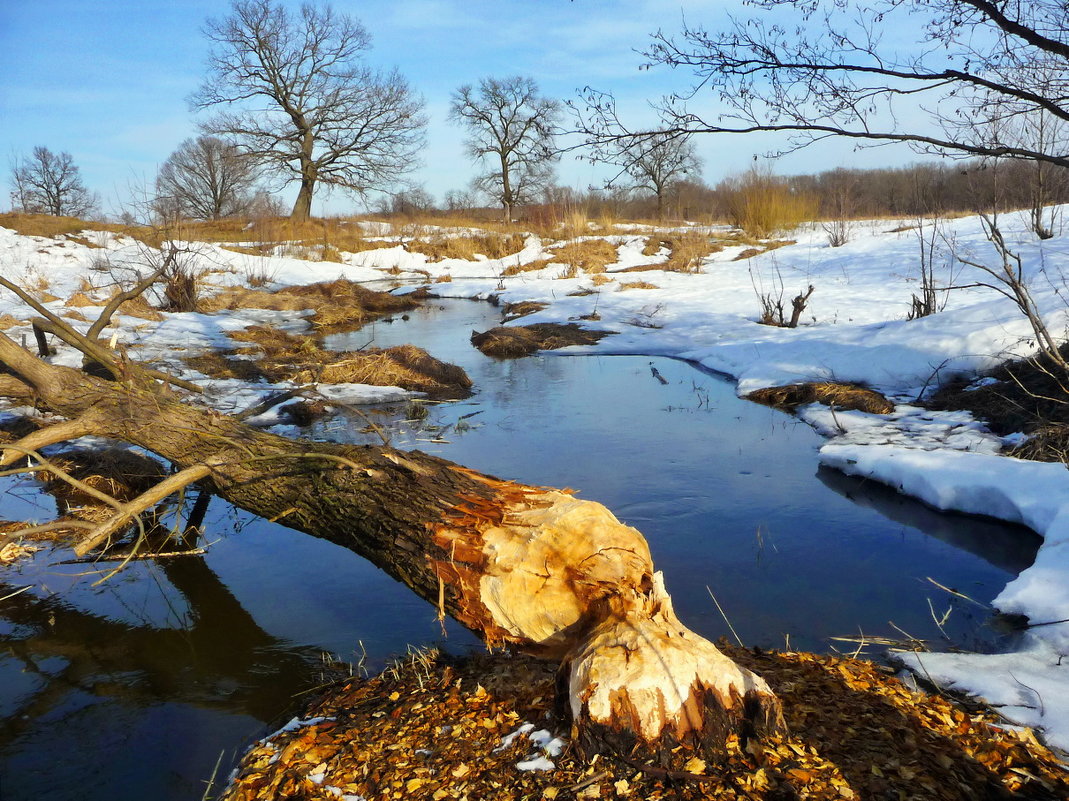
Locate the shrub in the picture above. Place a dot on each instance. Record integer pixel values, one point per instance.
(761, 203)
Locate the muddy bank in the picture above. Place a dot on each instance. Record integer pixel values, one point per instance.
(1027, 395)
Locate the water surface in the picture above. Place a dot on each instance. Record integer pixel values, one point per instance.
(137, 688)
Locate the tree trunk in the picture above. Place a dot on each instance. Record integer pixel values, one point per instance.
(302, 207)
(521, 566)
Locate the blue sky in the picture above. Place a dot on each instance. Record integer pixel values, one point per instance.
(107, 80)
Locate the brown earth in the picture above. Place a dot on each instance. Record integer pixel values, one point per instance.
(431, 728)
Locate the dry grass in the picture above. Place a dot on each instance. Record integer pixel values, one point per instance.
(121, 473)
(337, 304)
(637, 285)
(512, 342)
(838, 396)
(8, 321)
(139, 307)
(761, 204)
(48, 226)
(655, 244)
(1029, 395)
(512, 311)
(586, 255)
(600, 279)
(531, 266)
(492, 246)
(279, 356)
(79, 300)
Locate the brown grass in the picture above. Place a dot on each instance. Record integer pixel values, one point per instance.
(637, 285)
(511, 342)
(761, 203)
(531, 266)
(1028, 395)
(838, 396)
(121, 473)
(48, 226)
(8, 321)
(139, 307)
(655, 244)
(586, 255)
(512, 311)
(80, 299)
(338, 304)
(600, 279)
(280, 356)
(496, 246)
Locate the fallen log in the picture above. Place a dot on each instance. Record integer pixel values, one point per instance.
(525, 567)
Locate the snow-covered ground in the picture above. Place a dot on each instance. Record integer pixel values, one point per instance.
(854, 329)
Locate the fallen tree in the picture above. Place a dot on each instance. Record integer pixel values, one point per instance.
(525, 567)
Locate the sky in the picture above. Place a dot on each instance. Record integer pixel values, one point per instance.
(108, 80)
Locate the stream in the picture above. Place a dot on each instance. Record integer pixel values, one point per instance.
(140, 687)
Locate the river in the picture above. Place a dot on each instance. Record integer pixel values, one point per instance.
(140, 687)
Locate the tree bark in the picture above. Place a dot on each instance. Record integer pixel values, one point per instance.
(521, 566)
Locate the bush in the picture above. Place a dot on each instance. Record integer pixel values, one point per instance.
(761, 203)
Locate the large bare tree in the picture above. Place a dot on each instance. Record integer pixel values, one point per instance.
(814, 69)
(50, 183)
(299, 98)
(511, 128)
(524, 567)
(205, 178)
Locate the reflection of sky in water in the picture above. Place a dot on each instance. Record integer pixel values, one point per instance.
(168, 665)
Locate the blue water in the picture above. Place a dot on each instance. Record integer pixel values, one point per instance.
(137, 688)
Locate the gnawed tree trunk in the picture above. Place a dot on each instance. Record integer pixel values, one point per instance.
(521, 566)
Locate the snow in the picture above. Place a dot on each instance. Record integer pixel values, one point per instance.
(544, 741)
(855, 329)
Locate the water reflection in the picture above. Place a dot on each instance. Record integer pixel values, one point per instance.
(1009, 547)
(78, 666)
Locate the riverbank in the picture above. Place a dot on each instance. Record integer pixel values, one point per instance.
(485, 727)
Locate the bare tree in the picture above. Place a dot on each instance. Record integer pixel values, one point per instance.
(205, 178)
(50, 183)
(301, 101)
(655, 164)
(510, 124)
(658, 164)
(812, 70)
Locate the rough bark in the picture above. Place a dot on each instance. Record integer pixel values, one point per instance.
(522, 566)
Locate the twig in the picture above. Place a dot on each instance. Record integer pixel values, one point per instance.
(17, 592)
(738, 639)
(34, 441)
(271, 402)
(126, 557)
(145, 500)
(957, 594)
(597, 777)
